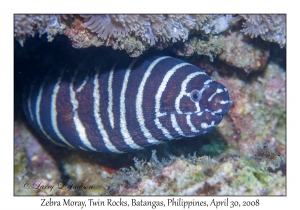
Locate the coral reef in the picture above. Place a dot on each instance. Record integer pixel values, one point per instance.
(148, 30)
(34, 169)
(232, 48)
(30, 25)
(259, 111)
(198, 176)
(239, 53)
(133, 46)
(154, 28)
(81, 170)
(270, 28)
(80, 37)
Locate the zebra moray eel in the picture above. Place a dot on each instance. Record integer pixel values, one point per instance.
(132, 105)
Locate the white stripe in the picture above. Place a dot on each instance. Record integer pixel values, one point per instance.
(217, 91)
(225, 102)
(123, 123)
(96, 95)
(80, 88)
(175, 125)
(83, 148)
(54, 113)
(215, 112)
(78, 124)
(199, 114)
(29, 102)
(184, 93)
(158, 96)
(110, 97)
(37, 112)
(163, 129)
(205, 85)
(197, 107)
(204, 125)
(193, 129)
(139, 102)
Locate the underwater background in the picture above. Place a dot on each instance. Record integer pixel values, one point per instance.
(244, 155)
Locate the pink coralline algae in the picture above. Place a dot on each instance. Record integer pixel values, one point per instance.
(258, 115)
(35, 171)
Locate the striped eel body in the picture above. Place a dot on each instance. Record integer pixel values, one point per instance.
(130, 105)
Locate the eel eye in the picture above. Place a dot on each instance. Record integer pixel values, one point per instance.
(195, 95)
